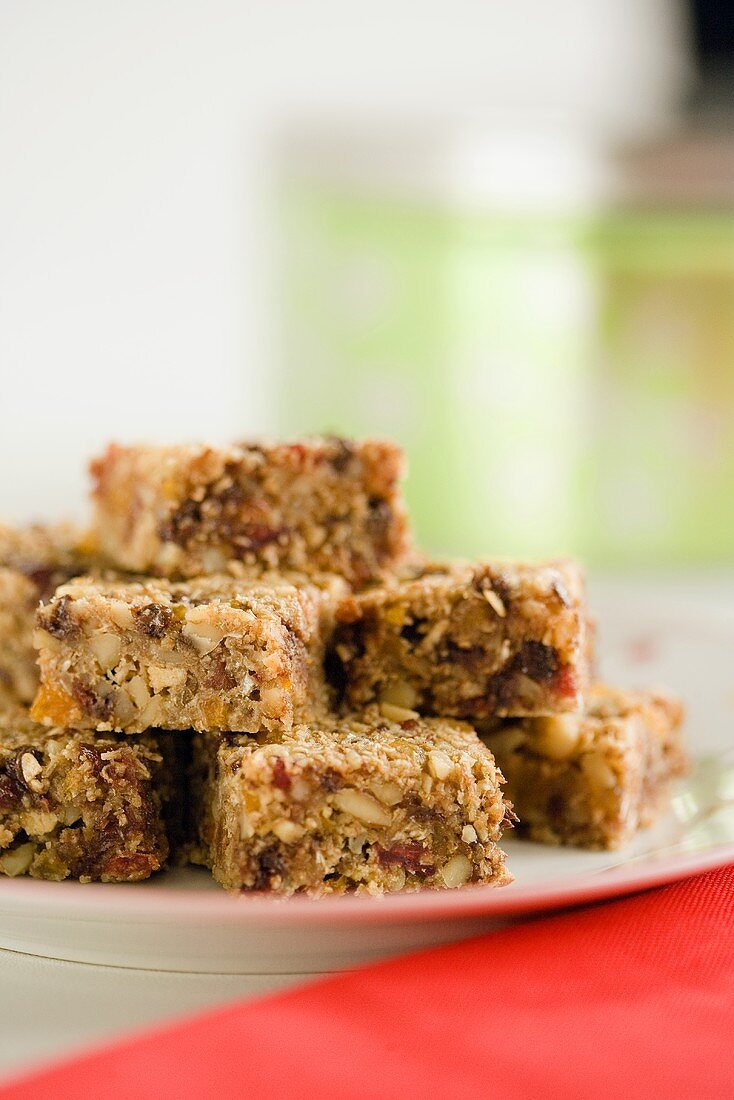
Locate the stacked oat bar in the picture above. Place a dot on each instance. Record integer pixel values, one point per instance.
(250, 668)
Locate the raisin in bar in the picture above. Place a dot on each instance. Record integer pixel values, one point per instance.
(212, 653)
(360, 804)
(326, 505)
(75, 806)
(34, 560)
(467, 640)
(593, 779)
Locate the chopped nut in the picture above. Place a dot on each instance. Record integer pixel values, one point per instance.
(274, 701)
(203, 637)
(31, 769)
(362, 806)
(120, 614)
(212, 560)
(399, 694)
(316, 537)
(153, 713)
(70, 815)
(273, 662)
(352, 757)
(528, 693)
(440, 764)
(397, 714)
(167, 655)
(400, 877)
(124, 708)
(246, 828)
(389, 793)
(138, 692)
(457, 871)
(42, 639)
(506, 740)
(597, 770)
(288, 831)
(469, 834)
(162, 678)
(434, 635)
(556, 737)
(17, 860)
(300, 790)
(494, 602)
(38, 822)
(107, 648)
(123, 670)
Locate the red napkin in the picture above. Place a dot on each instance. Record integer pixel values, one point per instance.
(633, 998)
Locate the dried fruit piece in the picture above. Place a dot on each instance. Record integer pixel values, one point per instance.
(410, 855)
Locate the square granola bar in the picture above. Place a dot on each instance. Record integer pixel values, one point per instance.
(325, 505)
(211, 653)
(467, 640)
(79, 806)
(593, 779)
(360, 804)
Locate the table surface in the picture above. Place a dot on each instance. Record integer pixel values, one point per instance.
(50, 1008)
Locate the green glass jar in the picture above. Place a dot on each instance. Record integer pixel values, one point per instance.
(562, 384)
(658, 483)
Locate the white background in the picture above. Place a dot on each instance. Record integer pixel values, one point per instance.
(134, 138)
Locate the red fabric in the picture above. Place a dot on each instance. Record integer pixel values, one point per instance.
(633, 998)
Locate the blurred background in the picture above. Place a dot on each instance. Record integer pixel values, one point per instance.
(500, 233)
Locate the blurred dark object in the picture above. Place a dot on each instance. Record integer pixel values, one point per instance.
(712, 34)
(691, 165)
(713, 30)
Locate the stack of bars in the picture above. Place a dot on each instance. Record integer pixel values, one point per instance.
(246, 665)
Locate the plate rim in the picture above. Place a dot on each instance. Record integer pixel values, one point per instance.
(107, 902)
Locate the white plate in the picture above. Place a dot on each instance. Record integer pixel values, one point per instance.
(180, 921)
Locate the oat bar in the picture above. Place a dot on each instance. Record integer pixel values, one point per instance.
(329, 505)
(33, 561)
(79, 806)
(211, 653)
(467, 640)
(593, 779)
(360, 804)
